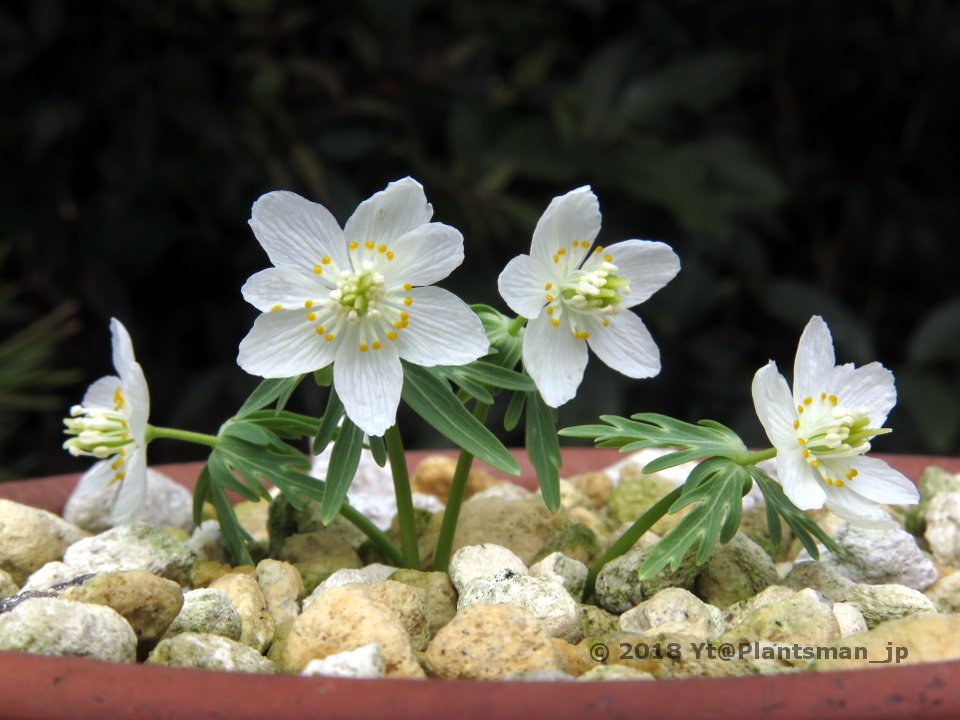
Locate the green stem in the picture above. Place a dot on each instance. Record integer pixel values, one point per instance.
(754, 458)
(401, 488)
(377, 536)
(458, 488)
(516, 326)
(154, 432)
(627, 540)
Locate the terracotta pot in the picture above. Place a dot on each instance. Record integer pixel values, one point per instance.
(33, 686)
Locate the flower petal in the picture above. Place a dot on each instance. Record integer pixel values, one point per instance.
(851, 506)
(624, 345)
(369, 384)
(801, 483)
(131, 374)
(880, 483)
(424, 255)
(574, 216)
(554, 359)
(442, 330)
(870, 388)
(646, 264)
(285, 287)
(102, 393)
(774, 405)
(522, 285)
(283, 344)
(815, 360)
(132, 495)
(296, 232)
(390, 213)
(96, 479)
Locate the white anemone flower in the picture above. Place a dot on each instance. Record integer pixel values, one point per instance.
(111, 424)
(356, 297)
(575, 297)
(822, 431)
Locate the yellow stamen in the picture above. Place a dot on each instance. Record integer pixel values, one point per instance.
(598, 249)
(376, 344)
(308, 304)
(852, 474)
(363, 347)
(329, 338)
(839, 482)
(562, 251)
(554, 322)
(370, 244)
(800, 409)
(390, 255)
(823, 396)
(550, 310)
(276, 307)
(549, 298)
(801, 441)
(806, 453)
(382, 249)
(326, 261)
(833, 399)
(605, 323)
(311, 316)
(608, 258)
(829, 481)
(548, 286)
(407, 287)
(815, 463)
(353, 246)
(392, 335)
(319, 330)
(408, 301)
(317, 269)
(807, 400)
(556, 258)
(796, 424)
(404, 315)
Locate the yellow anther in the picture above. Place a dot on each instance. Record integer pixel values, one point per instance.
(404, 315)
(556, 258)
(353, 246)
(598, 249)
(839, 482)
(605, 323)
(608, 258)
(329, 337)
(549, 298)
(408, 301)
(807, 400)
(833, 399)
(308, 304)
(407, 287)
(800, 409)
(796, 425)
(376, 344)
(852, 474)
(311, 316)
(276, 307)
(119, 476)
(392, 335)
(562, 251)
(399, 325)
(363, 347)
(317, 269)
(823, 396)
(116, 464)
(815, 463)
(320, 330)
(370, 244)
(550, 310)
(554, 322)
(382, 249)
(548, 286)
(830, 481)
(390, 255)
(806, 453)
(326, 261)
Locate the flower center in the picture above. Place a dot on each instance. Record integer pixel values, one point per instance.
(98, 432)
(593, 289)
(359, 293)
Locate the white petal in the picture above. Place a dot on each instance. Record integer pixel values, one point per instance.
(815, 360)
(574, 216)
(369, 384)
(283, 344)
(442, 330)
(284, 286)
(774, 405)
(522, 285)
(880, 483)
(132, 495)
(646, 264)
(554, 359)
(135, 389)
(95, 480)
(801, 483)
(390, 213)
(857, 510)
(102, 393)
(625, 345)
(870, 387)
(424, 255)
(296, 232)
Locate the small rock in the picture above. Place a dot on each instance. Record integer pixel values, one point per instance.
(256, 623)
(53, 573)
(735, 614)
(434, 474)
(344, 619)
(440, 597)
(209, 652)
(168, 504)
(282, 588)
(545, 599)
(131, 547)
(620, 588)
(926, 639)
(822, 577)
(340, 578)
(597, 622)
(737, 570)
(570, 573)
(203, 572)
(284, 520)
(30, 538)
(147, 602)
(476, 561)
(595, 486)
(253, 517)
(571, 497)
(208, 612)
(362, 662)
(943, 528)
(805, 619)
(408, 604)
(880, 603)
(50, 626)
(934, 481)
(674, 611)
(615, 672)
(318, 554)
(945, 593)
(882, 557)
(637, 494)
(849, 618)
(490, 642)
(576, 541)
(7, 586)
(506, 491)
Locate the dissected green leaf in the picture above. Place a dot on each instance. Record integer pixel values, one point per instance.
(267, 392)
(234, 536)
(543, 447)
(329, 422)
(803, 526)
(248, 431)
(344, 460)
(432, 399)
(285, 424)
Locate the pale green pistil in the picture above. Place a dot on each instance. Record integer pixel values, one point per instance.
(97, 432)
(598, 289)
(828, 430)
(359, 293)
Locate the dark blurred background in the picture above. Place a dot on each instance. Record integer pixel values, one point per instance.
(801, 158)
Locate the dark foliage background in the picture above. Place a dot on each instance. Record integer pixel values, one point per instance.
(801, 157)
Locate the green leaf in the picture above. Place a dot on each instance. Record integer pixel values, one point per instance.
(496, 376)
(344, 461)
(497, 326)
(267, 392)
(433, 400)
(324, 376)
(287, 391)
(464, 382)
(234, 536)
(717, 486)
(543, 447)
(285, 424)
(201, 494)
(803, 526)
(329, 423)
(378, 450)
(248, 432)
(514, 410)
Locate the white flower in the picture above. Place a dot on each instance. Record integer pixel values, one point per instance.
(575, 297)
(110, 424)
(352, 297)
(822, 431)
